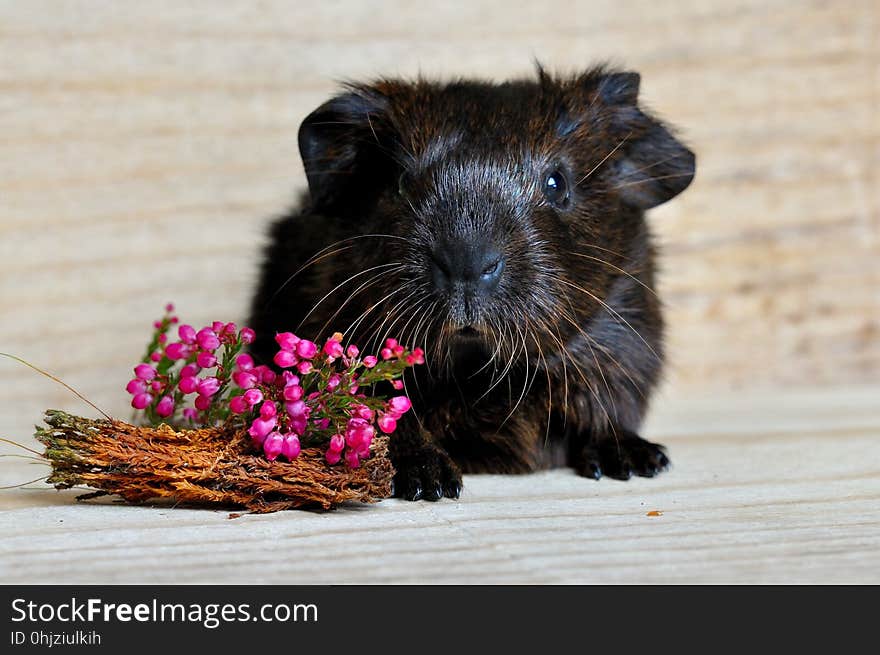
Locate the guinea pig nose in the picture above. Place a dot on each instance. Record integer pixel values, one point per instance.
(460, 265)
(490, 274)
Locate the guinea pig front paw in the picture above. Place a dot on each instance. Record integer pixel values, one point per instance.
(620, 457)
(427, 473)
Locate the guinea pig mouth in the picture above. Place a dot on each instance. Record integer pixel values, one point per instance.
(467, 332)
(468, 348)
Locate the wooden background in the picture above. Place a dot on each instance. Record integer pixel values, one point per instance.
(145, 145)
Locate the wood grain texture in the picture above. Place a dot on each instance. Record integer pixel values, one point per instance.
(786, 496)
(144, 147)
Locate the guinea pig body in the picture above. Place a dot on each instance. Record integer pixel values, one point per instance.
(501, 228)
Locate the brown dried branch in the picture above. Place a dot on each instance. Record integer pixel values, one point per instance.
(209, 466)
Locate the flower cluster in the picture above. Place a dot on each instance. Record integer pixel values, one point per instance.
(317, 398)
(319, 395)
(186, 377)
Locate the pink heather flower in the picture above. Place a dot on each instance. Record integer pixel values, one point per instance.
(296, 409)
(163, 338)
(353, 389)
(244, 379)
(208, 386)
(304, 367)
(288, 378)
(322, 423)
(176, 350)
(202, 402)
(337, 443)
(188, 384)
(286, 340)
(187, 334)
(247, 335)
(136, 386)
(217, 327)
(253, 396)
(399, 404)
(238, 405)
(306, 349)
(190, 414)
(370, 361)
(261, 427)
(397, 384)
(333, 348)
(285, 359)
(391, 343)
(268, 409)
(165, 406)
(244, 362)
(157, 325)
(362, 411)
(189, 371)
(387, 423)
(173, 320)
(292, 393)
(267, 375)
(351, 459)
(333, 456)
(358, 432)
(352, 351)
(156, 356)
(298, 425)
(230, 329)
(418, 356)
(334, 380)
(273, 446)
(206, 360)
(157, 385)
(386, 353)
(397, 351)
(169, 307)
(144, 372)
(141, 400)
(290, 447)
(207, 339)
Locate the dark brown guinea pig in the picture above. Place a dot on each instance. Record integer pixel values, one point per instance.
(500, 227)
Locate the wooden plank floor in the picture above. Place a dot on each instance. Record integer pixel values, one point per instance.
(767, 487)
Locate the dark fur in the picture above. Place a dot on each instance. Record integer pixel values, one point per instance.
(570, 341)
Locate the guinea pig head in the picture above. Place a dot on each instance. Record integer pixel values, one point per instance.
(506, 209)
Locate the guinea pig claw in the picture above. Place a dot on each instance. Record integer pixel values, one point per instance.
(426, 473)
(433, 494)
(414, 492)
(452, 489)
(622, 457)
(662, 461)
(592, 469)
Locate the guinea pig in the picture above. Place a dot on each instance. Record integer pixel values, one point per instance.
(501, 228)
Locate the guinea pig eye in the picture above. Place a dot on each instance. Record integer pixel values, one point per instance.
(556, 188)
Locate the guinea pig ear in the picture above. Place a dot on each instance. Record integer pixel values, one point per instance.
(653, 165)
(341, 150)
